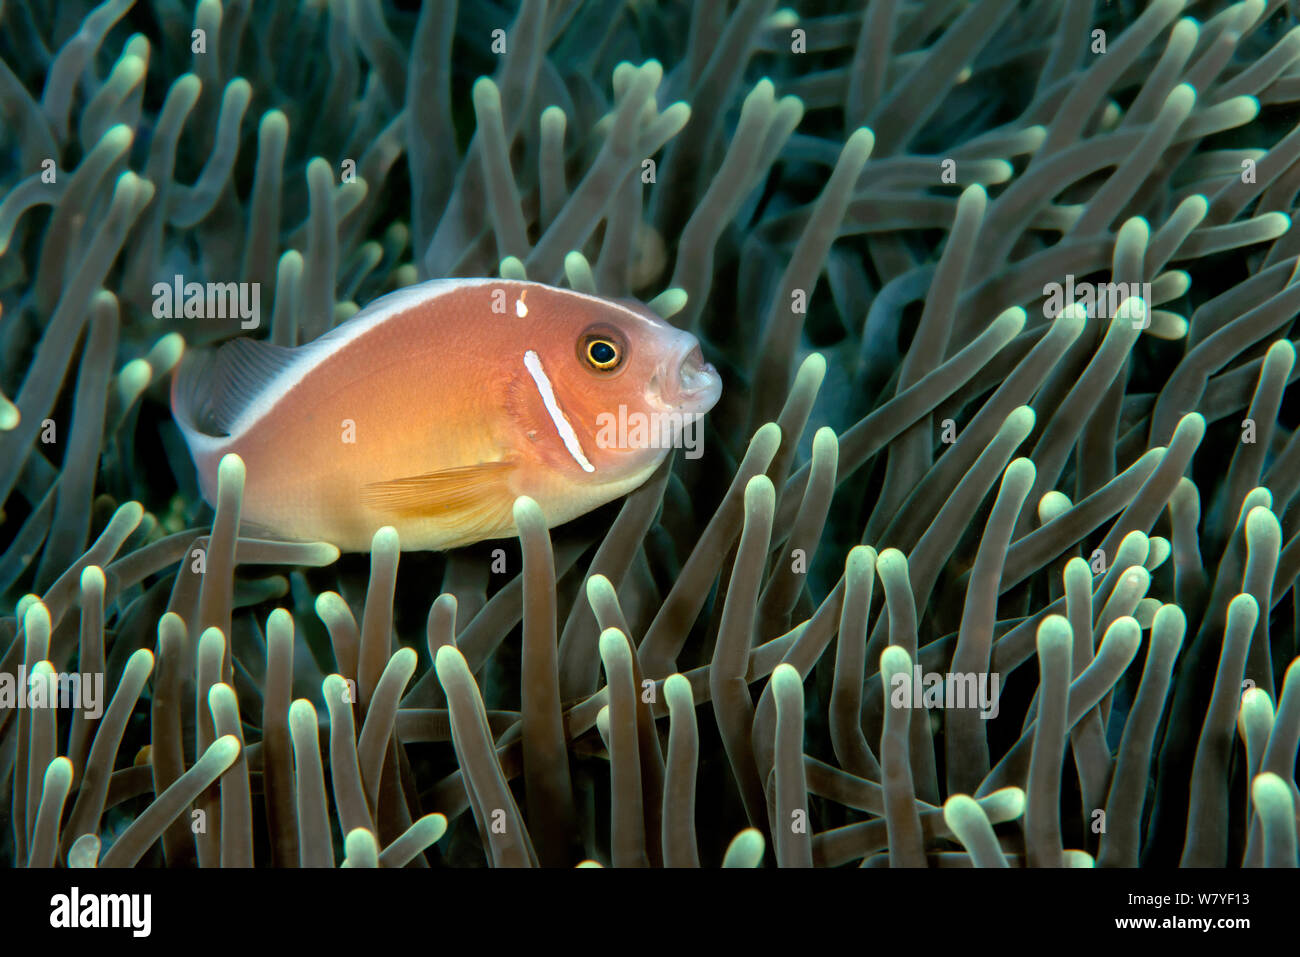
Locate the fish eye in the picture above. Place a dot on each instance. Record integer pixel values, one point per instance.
(602, 353)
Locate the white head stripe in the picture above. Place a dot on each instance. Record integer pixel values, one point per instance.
(562, 425)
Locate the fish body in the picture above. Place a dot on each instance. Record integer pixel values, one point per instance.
(435, 407)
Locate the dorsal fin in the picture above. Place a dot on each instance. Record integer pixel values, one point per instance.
(213, 389)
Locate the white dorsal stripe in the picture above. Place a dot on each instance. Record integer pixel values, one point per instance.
(310, 354)
(373, 316)
(562, 424)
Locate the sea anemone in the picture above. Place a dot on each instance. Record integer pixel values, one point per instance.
(990, 559)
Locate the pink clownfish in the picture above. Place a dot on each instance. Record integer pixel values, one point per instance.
(434, 408)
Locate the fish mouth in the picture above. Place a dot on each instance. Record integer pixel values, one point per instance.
(688, 383)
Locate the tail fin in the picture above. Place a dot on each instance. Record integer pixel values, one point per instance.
(192, 400)
(212, 391)
(191, 389)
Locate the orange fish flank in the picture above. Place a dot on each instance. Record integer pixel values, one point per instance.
(436, 406)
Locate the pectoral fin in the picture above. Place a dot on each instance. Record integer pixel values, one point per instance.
(465, 496)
